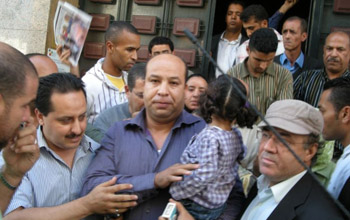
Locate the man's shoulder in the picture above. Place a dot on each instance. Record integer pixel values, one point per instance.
(237, 70)
(307, 74)
(307, 200)
(277, 59)
(94, 73)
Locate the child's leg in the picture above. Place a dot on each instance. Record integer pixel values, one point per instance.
(201, 213)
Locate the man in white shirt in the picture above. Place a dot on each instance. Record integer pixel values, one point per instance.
(335, 108)
(285, 189)
(253, 18)
(224, 46)
(105, 81)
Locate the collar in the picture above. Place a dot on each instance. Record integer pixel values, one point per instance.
(102, 75)
(245, 72)
(234, 41)
(140, 120)
(325, 75)
(86, 143)
(280, 190)
(300, 60)
(346, 152)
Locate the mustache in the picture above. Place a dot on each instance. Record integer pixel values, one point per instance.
(332, 59)
(73, 135)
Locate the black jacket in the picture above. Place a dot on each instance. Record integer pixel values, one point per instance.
(214, 51)
(306, 200)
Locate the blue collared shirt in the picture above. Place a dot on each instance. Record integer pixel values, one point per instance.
(50, 182)
(128, 151)
(297, 65)
(341, 174)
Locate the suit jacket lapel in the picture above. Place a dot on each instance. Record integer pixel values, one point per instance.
(297, 196)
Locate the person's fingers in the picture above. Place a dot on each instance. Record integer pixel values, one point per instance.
(59, 50)
(119, 187)
(29, 139)
(123, 197)
(108, 183)
(33, 148)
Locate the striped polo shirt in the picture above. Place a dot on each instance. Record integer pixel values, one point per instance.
(276, 83)
(308, 86)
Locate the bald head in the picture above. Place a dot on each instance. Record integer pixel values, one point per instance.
(339, 34)
(43, 64)
(164, 60)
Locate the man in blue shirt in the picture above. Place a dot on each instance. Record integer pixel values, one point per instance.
(51, 188)
(294, 33)
(145, 151)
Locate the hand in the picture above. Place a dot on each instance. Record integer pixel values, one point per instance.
(174, 173)
(21, 153)
(183, 213)
(63, 55)
(103, 200)
(288, 4)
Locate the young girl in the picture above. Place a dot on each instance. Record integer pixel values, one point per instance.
(217, 149)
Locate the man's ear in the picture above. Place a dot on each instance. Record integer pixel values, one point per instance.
(310, 152)
(303, 36)
(248, 49)
(2, 104)
(264, 23)
(109, 46)
(39, 116)
(345, 114)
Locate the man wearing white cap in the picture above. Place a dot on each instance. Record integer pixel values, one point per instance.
(285, 189)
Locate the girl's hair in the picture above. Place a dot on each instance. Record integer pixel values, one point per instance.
(222, 100)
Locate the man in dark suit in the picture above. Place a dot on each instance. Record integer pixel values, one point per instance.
(285, 189)
(294, 33)
(224, 46)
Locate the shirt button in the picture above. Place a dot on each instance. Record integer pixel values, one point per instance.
(148, 211)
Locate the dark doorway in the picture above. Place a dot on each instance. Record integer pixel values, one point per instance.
(301, 9)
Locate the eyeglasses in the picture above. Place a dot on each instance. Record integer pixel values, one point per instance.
(264, 136)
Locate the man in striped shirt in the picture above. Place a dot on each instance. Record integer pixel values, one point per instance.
(267, 80)
(50, 190)
(336, 55)
(105, 81)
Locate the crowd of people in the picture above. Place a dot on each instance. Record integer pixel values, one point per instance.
(126, 138)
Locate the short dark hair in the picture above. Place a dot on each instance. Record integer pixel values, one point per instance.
(222, 100)
(159, 41)
(116, 28)
(138, 71)
(196, 75)
(340, 90)
(258, 12)
(263, 40)
(14, 68)
(235, 2)
(303, 23)
(57, 82)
